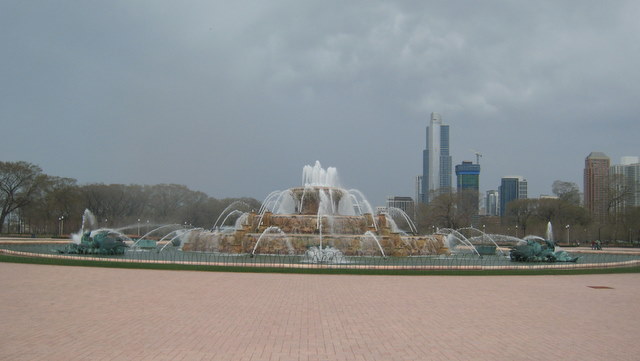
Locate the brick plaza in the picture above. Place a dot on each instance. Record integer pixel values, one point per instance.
(76, 313)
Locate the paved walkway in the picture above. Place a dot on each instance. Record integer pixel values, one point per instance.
(74, 313)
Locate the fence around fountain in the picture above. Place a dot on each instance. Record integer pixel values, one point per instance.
(463, 261)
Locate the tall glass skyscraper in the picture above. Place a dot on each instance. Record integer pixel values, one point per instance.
(468, 176)
(436, 161)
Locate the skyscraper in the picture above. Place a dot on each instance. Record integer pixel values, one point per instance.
(624, 183)
(493, 203)
(596, 184)
(511, 188)
(436, 161)
(468, 179)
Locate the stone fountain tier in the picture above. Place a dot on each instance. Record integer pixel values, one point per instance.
(312, 224)
(307, 200)
(296, 244)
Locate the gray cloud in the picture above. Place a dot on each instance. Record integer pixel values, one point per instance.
(235, 98)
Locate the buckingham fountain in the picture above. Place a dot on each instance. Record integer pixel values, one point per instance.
(319, 220)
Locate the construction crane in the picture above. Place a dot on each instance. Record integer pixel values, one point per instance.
(478, 156)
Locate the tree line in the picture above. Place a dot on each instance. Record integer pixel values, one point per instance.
(36, 203)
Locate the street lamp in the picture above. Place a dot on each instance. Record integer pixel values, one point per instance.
(516, 231)
(568, 239)
(61, 219)
(138, 227)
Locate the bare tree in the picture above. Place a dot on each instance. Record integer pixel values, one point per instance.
(19, 182)
(521, 211)
(566, 191)
(451, 210)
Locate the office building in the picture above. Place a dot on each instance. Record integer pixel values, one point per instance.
(418, 190)
(492, 205)
(468, 182)
(624, 183)
(596, 184)
(511, 189)
(405, 203)
(468, 176)
(436, 161)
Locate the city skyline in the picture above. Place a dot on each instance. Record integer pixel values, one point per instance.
(234, 99)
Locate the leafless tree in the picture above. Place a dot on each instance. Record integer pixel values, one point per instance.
(19, 183)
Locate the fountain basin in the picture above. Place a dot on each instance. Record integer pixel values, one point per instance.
(486, 249)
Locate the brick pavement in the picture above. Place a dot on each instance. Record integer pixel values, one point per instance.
(74, 313)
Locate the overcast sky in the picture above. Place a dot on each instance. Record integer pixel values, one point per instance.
(233, 98)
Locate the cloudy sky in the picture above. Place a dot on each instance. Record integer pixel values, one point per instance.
(233, 98)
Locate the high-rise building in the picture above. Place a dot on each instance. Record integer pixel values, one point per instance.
(624, 182)
(596, 184)
(511, 188)
(436, 161)
(633, 180)
(468, 182)
(418, 190)
(468, 176)
(492, 203)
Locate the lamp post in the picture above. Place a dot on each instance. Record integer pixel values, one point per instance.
(568, 238)
(138, 227)
(516, 231)
(61, 219)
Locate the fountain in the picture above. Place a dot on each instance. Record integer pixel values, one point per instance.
(533, 251)
(102, 241)
(536, 249)
(320, 221)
